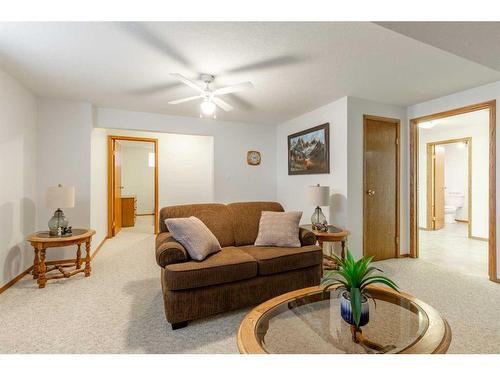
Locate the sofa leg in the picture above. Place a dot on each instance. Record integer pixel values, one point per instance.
(179, 325)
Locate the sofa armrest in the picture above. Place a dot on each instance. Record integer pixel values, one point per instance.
(306, 237)
(168, 250)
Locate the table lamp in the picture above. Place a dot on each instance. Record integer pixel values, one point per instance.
(59, 197)
(319, 196)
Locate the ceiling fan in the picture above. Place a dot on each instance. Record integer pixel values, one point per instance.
(209, 95)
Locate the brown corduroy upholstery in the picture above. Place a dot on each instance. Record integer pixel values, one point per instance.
(228, 265)
(246, 217)
(169, 251)
(215, 216)
(306, 237)
(281, 259)
(238, 275)
(191, 304)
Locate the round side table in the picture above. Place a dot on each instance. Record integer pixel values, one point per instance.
(333, 234)
(41, 241)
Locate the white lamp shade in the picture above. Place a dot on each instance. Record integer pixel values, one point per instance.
(319, 195)
(60, 196)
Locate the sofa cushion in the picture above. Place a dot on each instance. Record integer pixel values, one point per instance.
(228, 265)
(215, 216)
(246, 217)
(279, 229)
(273, 260)
(194, 235)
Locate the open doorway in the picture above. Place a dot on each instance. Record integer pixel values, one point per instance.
(132, 185)
(448, 169)
(452, 195)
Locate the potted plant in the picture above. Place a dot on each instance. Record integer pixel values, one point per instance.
(354, 277)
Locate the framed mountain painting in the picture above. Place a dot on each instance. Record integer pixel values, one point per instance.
(309, 151)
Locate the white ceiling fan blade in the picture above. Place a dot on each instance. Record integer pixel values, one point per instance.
(187, 81)
(184, 100)
(235, 88)
(222, 104)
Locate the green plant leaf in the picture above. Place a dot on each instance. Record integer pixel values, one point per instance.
(356, 300)
(379, 279)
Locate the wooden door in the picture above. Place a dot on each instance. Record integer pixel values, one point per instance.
(439, 187)
(381, 188)
(117, 180)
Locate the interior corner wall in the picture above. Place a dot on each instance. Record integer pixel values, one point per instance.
(99, 185)
(234, 179)
(461, 99)
(356, 108)
(292, 189)
(18, 144)
(63, 157)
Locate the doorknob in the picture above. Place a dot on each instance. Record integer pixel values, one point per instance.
(370, 192)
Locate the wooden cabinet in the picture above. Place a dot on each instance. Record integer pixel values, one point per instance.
(129, 208)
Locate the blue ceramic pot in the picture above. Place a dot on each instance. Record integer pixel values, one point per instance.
(346, 310)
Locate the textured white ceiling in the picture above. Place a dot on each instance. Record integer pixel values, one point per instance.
(476, 41)
(465, 120)
(295, 67)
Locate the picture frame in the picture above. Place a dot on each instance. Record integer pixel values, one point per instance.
(309, 151)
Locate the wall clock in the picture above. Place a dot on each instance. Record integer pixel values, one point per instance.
(253, 157)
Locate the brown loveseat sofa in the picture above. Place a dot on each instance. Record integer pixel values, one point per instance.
(240, 274)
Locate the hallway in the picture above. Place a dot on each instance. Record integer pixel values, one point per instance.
(450, 248)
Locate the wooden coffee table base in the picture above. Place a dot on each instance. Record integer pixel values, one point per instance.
(41, 242)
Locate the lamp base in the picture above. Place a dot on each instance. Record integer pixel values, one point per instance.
(58, 225)
(318, 220)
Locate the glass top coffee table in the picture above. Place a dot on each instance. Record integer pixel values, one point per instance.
(308, 321)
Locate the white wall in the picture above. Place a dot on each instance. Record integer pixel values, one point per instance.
(356, 109)
(462, 99)
(456, 176)
(480, 168)
(346, 166)
(234, 180)
(292, 190)
(63, 156)
(138, 178)
(185, 170)
(18, 111)
(99, 185)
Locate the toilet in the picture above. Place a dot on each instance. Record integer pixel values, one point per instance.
(453, 201)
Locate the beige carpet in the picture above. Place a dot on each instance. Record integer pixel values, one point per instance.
(119, 309)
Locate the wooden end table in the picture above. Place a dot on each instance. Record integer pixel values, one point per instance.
(334, 234)
(41, 241)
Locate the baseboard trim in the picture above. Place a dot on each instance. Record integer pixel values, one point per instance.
(403, 255)
(15, 279)
(98, 248)
(422, 228)
(144, 214)
(48, 263)
(462, 220)
(478, 238)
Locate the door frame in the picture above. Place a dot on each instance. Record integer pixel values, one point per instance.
(430, 179)
(397, 123)
(491, 106)
(111, 172)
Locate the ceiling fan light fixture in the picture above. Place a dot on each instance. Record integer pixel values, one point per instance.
(207, 107)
